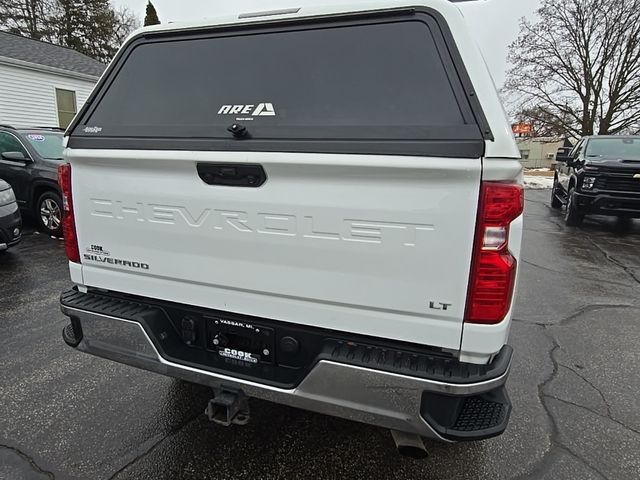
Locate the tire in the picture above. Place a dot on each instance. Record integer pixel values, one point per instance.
(571, 216)
(48, 213)
(556, 203)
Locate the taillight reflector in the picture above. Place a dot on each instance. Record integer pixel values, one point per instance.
(493, 268)
(68, 219)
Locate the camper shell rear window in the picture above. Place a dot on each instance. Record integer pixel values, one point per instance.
(381, 84)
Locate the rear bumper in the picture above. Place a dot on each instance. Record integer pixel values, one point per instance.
(10, 220)
(608, 204)
(469, 408)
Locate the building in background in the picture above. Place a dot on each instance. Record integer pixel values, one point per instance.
(539, 152)
(42, 84)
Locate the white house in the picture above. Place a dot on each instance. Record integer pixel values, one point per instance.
(41, 84)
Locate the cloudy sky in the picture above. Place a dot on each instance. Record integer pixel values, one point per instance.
(493, 22)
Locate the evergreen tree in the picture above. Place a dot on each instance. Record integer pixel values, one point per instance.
(92, 27)
(151, 17)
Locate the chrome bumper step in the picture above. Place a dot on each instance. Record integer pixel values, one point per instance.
(344, 382)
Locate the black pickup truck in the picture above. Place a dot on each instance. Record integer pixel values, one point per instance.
(601, 175)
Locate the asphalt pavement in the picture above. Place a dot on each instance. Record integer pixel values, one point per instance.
(574, 385)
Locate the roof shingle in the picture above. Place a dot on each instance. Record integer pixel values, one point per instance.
(48, 54)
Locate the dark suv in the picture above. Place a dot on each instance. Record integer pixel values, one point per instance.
(29, 160)
(601, 175)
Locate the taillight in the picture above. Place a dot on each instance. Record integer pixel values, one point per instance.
(68, 220)
(493, 268)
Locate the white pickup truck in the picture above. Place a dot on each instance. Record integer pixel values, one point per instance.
(320, 207)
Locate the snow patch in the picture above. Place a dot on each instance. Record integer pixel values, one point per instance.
(538, 183)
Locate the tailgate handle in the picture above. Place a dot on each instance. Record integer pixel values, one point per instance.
(232, 174)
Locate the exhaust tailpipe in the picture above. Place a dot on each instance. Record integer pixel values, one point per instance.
(409, 445)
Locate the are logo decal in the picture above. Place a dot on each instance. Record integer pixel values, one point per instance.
(260, 110)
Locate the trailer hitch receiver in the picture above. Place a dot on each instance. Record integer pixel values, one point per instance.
(228, 407)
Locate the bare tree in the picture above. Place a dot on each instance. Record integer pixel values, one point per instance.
(125, 23)
(29, 18)
(543, 123)
(578, 67)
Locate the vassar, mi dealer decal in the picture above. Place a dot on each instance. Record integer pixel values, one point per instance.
(248, 111)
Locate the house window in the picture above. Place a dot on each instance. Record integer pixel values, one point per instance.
(524, 154)
(66, 101)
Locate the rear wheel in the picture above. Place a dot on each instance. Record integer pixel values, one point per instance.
(49, 213)
(571, 216)
(555, 201)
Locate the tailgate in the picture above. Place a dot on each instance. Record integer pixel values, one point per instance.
(370, 137)
(371, 244)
